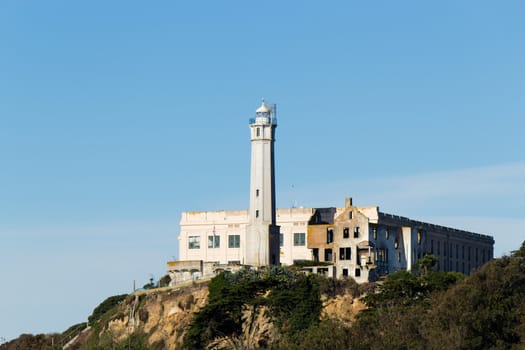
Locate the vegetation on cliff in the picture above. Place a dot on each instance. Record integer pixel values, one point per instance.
(290, 300)
(280, 308)
(435, 310)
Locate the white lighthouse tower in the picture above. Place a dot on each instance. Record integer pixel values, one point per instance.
(262, 234)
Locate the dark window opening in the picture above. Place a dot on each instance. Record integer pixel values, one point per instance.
(257, 192)
(345, 253)
(329, 235)
(256, 213)
(328, 255)
(258, 132)
(356, 232)
(346, 232)
(345, 272)
(315, 254)
(357, 272)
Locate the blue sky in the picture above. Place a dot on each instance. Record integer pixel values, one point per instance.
(116, 116)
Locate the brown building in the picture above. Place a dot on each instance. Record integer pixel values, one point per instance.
(364, 243)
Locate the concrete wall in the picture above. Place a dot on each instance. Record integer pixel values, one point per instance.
(234, 222)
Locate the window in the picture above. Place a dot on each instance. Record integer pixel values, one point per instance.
(257, 213)
(258, 132)
(281, 239)
(345, 253)
(257, 192)
(299, 239)
(315, 254)
(329, 235)
(357, 272)
(356, 232)
(399, 257)
(438, 248)
(234, 241)
(234, 262)
(346, 232)
(214, 241)
(350, 215)
(328, 255)
(431, 246)
(374, 230)
(383, 255)
(419, 237)
(387, 234)
(345, 272)
(194, 242)
(396, 244)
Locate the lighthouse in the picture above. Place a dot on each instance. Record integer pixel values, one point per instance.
(262, 234)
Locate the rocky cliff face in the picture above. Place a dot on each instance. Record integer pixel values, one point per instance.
(161, 316)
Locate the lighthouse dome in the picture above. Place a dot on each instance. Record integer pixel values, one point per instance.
(263, 109)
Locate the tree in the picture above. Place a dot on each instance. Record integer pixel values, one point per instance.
(486, 310)
(427, 264)
(520, 253)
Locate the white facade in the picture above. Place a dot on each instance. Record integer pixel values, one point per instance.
(220, 236)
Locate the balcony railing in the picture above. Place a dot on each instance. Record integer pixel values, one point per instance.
(273, 121)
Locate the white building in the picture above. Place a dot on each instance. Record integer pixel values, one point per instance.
(220, 236)
(360, 242)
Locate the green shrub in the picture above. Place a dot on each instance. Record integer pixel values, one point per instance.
(105, 306)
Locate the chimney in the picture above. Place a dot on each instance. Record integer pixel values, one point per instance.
(348, 202)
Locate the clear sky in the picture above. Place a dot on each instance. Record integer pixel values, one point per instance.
(115, 116)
